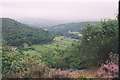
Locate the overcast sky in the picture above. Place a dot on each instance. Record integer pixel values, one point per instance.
(60, 9)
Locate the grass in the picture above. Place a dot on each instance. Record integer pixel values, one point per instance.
(60, 42)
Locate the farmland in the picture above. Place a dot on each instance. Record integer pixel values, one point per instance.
(58, 42)
(48, 55)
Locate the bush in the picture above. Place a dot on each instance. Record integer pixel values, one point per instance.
(101, 38)
(17, 64)
(110, 68)
(58, 73)
(97, 41)
(40, 71)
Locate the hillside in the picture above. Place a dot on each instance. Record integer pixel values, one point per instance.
(41, 23)
(93, 56)
(63, 29)
(15, 33)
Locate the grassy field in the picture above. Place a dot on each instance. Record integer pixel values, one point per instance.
(58, 42)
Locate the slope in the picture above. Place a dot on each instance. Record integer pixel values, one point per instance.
(15, 33)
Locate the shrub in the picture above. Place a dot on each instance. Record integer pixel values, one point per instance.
(110, 68)
(58, 73)
(97, 41)
(40, 71)
(17, 64)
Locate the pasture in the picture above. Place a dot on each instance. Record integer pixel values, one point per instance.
(58, 42)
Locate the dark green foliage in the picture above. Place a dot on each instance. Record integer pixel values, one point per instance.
(58, 58)
(96, 44)
(63, 29)
(16, 62)
(102, 38)
(16, 33)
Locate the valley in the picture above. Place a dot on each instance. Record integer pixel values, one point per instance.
(72, 50)
(58, 42)
(59, 39)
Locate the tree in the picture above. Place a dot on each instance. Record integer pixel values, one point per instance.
(101, 38)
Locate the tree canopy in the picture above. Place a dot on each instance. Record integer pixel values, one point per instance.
(15, 33)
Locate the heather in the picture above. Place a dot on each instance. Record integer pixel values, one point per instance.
(93, 55)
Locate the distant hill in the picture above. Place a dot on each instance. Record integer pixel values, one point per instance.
(41, 23)
(64, 29)
(15, 33)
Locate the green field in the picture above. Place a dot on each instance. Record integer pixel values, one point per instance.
(58, 42)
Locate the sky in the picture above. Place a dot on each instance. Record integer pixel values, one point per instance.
(59, 9)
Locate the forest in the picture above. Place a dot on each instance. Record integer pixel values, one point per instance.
(16, 33)
(51, 55)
